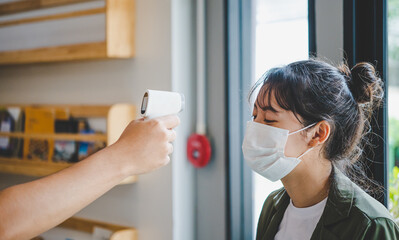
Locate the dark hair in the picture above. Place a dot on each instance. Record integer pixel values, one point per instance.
(346, 98)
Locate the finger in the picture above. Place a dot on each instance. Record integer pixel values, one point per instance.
(171, 135)
(170, 121)
(170, 148)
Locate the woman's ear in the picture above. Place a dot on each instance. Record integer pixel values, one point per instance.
(321, 133)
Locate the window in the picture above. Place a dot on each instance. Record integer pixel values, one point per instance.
(261, 34)
(393, 110)
(281, 37)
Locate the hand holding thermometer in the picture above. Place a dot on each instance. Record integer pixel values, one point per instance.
(161, 103)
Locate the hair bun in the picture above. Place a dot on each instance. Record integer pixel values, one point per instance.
(364, 83)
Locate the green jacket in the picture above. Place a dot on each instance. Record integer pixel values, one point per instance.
(350, 213)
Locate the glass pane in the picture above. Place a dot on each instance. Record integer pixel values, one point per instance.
(393, 110)
(281, 37)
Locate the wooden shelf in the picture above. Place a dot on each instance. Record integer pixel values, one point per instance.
(118, 232)
(38, 168)
(77, 111)
(85, 225)
(58, 136)
(34, 168)
(55, 54)
(53, 17)
(119, 29)
(118, 116)
(28, 5)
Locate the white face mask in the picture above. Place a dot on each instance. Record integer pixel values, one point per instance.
(263, 149)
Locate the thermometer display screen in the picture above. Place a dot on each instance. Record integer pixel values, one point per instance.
(144, 103)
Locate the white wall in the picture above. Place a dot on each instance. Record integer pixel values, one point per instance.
(183, 76)
(211, 180)
(147, 204)
(329, 30)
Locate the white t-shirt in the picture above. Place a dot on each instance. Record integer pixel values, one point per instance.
(299, 223)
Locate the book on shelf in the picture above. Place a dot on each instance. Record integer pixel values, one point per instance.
(39, 120)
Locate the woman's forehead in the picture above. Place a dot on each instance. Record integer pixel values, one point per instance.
(266, 100)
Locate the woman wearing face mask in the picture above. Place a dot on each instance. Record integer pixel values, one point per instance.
(308, 130)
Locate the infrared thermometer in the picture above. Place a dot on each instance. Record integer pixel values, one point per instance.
(161, 103)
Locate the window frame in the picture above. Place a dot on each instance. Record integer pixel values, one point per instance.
(240, 39)
(365, 39)
(240, 42)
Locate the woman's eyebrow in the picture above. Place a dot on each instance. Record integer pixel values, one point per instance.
(269, 108)
(266, 108)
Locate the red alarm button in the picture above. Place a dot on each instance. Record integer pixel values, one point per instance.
(198, 150)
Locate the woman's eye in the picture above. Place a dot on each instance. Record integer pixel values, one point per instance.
(253, 117)
(269, 121)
